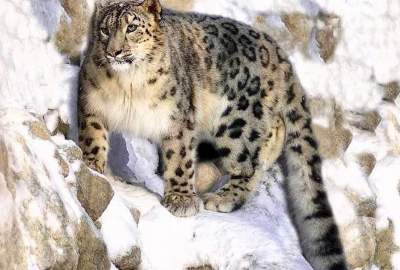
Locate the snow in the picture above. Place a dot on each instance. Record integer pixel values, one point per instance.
(34, 75)
(36, 78)
(118, 228)
(385, 182)
(219, 239)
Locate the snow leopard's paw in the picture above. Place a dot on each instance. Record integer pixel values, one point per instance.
(97, 164)
(224, 202)
(182, 205)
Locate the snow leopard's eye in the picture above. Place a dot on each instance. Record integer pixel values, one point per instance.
(104, 31)
(131, 28)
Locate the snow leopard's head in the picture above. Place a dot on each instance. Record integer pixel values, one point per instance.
(126, 32)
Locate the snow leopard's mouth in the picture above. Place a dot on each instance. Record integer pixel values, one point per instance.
(121, 64)
(125, 60)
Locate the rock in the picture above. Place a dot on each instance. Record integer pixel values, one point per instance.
(322, 108)
(38, 226)
(93, 191)
(365, 206)
(392, 133)
(398, 187)
(391, 91)
(97, 224)
(328, 125)
(43, 225)
(135, 214)
(359, 242)
(319, 33)
(39, 130)
(72, 152)
(203, 267)
(12, 250)
(92, 250)
(178, 4)
(61, 128)
(280, 33)
(63, 164)
(385, 247)
(333, 138)
(299, 25)
(129, 261)
(332, 141)
(72, 29)
(327, 34)
(367, 162)
(367, 121)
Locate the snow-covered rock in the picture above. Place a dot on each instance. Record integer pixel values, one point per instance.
(61, 214)
(93, 192)
(120, 233)
(346, 54)
(42, 223)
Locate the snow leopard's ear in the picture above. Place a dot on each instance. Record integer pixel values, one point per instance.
(153, 7)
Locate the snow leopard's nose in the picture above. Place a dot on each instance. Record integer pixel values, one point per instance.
(114, 53)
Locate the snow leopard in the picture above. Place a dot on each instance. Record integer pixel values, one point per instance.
(201, 86)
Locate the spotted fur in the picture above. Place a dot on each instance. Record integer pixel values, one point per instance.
(205, 86)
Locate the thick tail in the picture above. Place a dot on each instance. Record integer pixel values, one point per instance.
(307, 199)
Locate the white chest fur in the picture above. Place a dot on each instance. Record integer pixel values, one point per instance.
(139, 116)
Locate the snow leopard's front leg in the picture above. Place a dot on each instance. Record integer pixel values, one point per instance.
(93, 140)
(178, 153)
(93, 134)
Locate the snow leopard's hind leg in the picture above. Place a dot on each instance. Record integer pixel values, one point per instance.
(244, 179)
